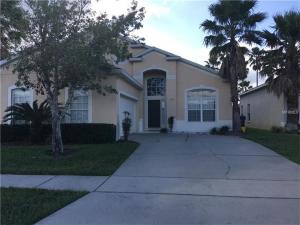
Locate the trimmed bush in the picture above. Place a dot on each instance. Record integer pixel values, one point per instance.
(213, 131)
(224, 130)
(276, 129)
(221, 131)
(85, 133)
(163, 130)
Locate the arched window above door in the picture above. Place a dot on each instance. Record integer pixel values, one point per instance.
(156, 86)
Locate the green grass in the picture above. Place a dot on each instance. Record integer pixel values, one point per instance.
(285, 144)
(100, 159)
(27, 206)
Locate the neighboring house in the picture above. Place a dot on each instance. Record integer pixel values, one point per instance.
(263, 109)
(152, 85)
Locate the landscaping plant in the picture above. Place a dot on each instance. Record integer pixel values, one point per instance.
(126, 124)
(171, 123)
(281, 62)
(233, 23)
(35, 115)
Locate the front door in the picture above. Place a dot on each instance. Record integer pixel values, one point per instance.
(153, 113)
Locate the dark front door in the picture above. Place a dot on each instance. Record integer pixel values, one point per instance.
(153, 113)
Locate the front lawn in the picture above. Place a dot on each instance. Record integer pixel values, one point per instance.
(27, 206)
(98, 159)
(285, 144)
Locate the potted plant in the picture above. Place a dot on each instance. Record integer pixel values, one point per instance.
(171, 123)
(126, 124)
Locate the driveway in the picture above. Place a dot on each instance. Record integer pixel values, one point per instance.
(193, 179)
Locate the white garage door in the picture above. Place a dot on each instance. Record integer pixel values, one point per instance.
(128, 105)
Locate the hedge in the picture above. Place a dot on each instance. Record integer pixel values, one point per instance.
(79, 133)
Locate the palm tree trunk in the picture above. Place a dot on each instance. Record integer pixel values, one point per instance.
(236, 124)
(292, 119)
(256, 78)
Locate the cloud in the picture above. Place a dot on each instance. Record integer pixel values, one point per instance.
(165, 41)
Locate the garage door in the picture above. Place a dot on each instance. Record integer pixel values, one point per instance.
(129, 105)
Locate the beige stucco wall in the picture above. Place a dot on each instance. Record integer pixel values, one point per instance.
(190, 77)
(104, 107)
(266, 110)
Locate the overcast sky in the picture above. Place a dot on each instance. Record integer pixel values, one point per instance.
(173, 25)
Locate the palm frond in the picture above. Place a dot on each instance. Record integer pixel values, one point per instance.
(253, 19)
(270, 38)
(211, 27)
(215, 40)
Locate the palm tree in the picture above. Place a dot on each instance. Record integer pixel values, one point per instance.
(213, 63)
(234, 22)
(35, 114)
(244, 85)
(255, 61)
(281, 64)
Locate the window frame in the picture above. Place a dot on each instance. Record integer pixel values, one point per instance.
(10, 96)
(155, 77)
(67, 118)
(216, 109)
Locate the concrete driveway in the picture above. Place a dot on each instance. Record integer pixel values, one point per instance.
(193, 179)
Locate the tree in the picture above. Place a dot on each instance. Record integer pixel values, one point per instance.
(213, 62)
(36, 115)
(255, 61)
(66, 47)
(244, 85)
(281, 63)
(12, 26)
(234, 23)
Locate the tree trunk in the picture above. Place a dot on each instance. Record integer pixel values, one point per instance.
(292, 119)
(236, 124)
(57, 145)
(256, 78)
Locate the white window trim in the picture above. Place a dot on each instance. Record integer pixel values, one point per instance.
(186, 105)
(146, 87)
(90, 104)
(10, 88)
(9, 102)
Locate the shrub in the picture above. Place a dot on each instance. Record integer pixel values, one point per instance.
(171, 123)
(164, 130)
(224, 130)
(221, 131)
(276, 129)
(77, 133)
(213, 131)
(126, 124)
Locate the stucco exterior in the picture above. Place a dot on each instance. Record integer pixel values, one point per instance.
(266, 109)
(180, 76)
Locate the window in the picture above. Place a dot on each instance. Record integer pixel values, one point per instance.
(201, 104)
(79, 107)
(156, 86)
(242, 110)
(248, 112)
(19, 95)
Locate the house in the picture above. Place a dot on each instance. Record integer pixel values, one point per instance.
(152, 85)
(263, 109)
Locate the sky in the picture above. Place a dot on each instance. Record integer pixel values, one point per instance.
(173, 25)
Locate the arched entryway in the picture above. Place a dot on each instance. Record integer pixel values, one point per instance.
(155, 99)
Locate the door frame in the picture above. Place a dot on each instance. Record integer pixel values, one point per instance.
(163, 103)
